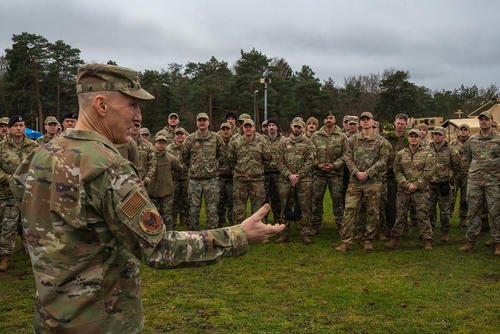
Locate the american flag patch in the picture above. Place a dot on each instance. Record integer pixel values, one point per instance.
(133, 205)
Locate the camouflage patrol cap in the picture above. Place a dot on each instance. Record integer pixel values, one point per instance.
(51, 119)
(264, 123)
(352, 120)
(14, 119)
(486, 113)
(4, 120)
(201, 115)
(414, 131)
(144, 131)
(464, 126)
(248, 121)
(299, 122)
(346, 118)
(439, 129)
(161, 137)
(313, 120)
(101, 77)
(225, 125)
(173, 114)
(244, 117)
(422, 126)
(366, 114)
(180, 130)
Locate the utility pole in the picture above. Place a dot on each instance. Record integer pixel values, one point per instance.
(265, 80)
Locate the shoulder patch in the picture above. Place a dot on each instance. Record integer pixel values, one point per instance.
(133, 205)
(151, 222)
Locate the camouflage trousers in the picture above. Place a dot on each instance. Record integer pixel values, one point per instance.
(8, 226)
(303, 190)
(439, 194)
(244, 190)
(335, 184)
(390, 205)
(225, 209)
(361, 219)
(421, 201)
(272, 194)
(477, 196)
(460, 186)
(180, 206)
(209, 189)
(370, 194)
(164, 206)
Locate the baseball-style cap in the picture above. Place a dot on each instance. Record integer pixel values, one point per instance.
(486, 113)
(180, 130)
(244, 117)
(422, 126)
(313, 120)
(366, 114)
(225, 125)
(101, 77)
(4, 120)
(14, 119)
(264, 123)
(415, 131)
(464, 126)
(438, 129)
(201, 115)
(248, 121)
(345, 119)
(144, 131)
(352, 120)
(70, 115)
(173, 114)
(51, 119)
(298, 121)
(160, 137)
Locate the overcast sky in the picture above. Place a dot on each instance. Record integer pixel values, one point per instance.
(443, 44)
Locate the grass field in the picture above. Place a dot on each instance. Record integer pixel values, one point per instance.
(293, 288)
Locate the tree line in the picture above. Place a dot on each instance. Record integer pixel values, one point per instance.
(37, 79)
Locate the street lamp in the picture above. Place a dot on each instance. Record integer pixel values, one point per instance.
(265, 81)
(255, 104)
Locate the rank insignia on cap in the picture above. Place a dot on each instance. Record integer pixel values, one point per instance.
(151, 222)
(132, 206)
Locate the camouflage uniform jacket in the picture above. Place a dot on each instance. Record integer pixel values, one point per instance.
(367, 154)
(176, 150)
(416, 168)
(11, 156)
(204, 155)
(161, 184)
(296, 156)
(397, 144)
(274, 146)
(130, 152)
(147, 158)
(458, 143)
(330, 149)
(448, 164)
(168, 132)
(482, 158)
(247, 158)
(87, 219)
(224, 169)
(43, 140)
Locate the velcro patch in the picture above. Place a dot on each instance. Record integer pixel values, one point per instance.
(151, 222)
(133, 205)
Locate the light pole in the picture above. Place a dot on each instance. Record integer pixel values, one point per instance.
(255, 104)
(266, 81)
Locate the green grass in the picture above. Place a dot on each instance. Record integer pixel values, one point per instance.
(293, 288)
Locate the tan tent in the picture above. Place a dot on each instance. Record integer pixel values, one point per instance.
(451, 126)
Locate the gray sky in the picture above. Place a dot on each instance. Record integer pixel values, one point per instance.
(442, 43)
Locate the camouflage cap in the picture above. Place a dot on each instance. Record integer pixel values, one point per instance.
(173, 114)
(180, 130)
(313, 120)
(353, 120)
(422, 126)
(144, 131)
(4, 120)
(248, 121)
(14, 119)
(264, 123)
(414, 131)
(299, 122)
(161, 137)
(346, 118)
(464, 126)
(201, 115)
(244, 117)
(225, 125)
(439, 129)
(366, 114)
(101, 77)
(486, 113)
(51, 119)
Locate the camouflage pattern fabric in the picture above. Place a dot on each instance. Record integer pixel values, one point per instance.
(303, 190)
(244, 191)
(147, 159)
(247, 158)
(225, 208)
(87, 220)
(43, 140)
(460, 181)
(130, 152)
(180, 205)
(272, 178)
(8, 227)
(203, 155)
(169, 133)
(164, 206)
(209, 189)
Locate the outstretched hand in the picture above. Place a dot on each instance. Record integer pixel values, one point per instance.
(256, 230)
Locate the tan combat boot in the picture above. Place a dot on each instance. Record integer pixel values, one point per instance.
(428, 244)
(382, 237)
(489, 242)
(306, 240)
(444, 237)
(469, 245)
(4, 263)
(368, 246)
(283, 238)
(497, 250)
(344, 247)
(391, 244)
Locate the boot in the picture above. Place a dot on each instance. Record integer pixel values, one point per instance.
(469, 245)
(344, 247)
(368, 246)
(306, 240)
(4, 263)
(444, 237)
(489, 243)
(392, 244)
(382, 237)
(497, 250)
(283, 238)
(428, 244)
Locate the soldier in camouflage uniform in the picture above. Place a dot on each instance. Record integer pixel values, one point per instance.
(161, 188)
(231, 118)
(13, 150)
(272, 181)
(204, 152)
(180, 206)
(68, 120)
(169, 130)
(482, 161)
(225, 208)
(51, 124)
(461, 178)
(312, 125)
(239, 127)
(296, 158)
(424, 130)
(247, 156)
(330, 144)
(88, 218)
(145, 134)
(447, 167)
(366, 157)
(129, 151)
(4, 128)
(413, 168)
(147, 157)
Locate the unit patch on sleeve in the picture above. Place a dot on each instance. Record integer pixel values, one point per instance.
(151, 222)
